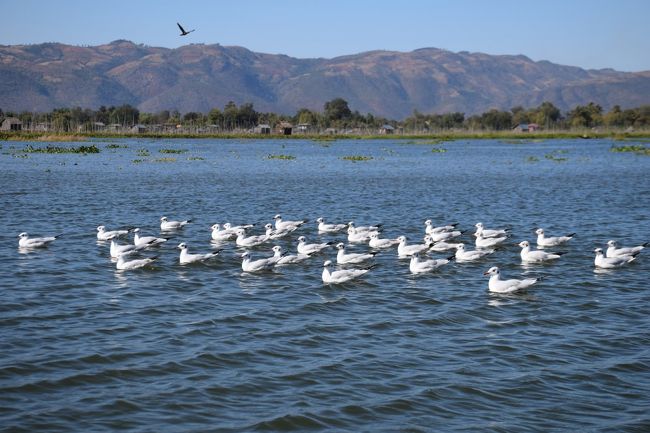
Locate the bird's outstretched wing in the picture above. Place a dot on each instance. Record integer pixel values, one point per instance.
(181, 27)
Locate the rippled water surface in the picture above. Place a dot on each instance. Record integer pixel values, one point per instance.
(84, 347)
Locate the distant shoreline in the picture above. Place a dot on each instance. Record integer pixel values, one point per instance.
(443, 136)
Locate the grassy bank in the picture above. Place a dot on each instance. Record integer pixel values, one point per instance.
(443, 136)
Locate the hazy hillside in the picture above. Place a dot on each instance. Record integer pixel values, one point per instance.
(392, 84)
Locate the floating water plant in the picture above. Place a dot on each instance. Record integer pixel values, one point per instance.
(355, 158)
(283, 157)
(195, 158)
(58, 149)
(165, 160)
(143, 152)
(438, 150)
(172, 150)
(639, 149)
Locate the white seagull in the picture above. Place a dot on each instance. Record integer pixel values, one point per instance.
(249, 265)
(228, 226)
(305, 248)
(357, 237)
(276, 233)
(536, 256)
(165, 224)
(497, 285)
(287, 259)
(342, 275)
(611, 262)
(149, 241)
(221, 234)
(614, 251)
(285, 225)
(543, 241)
(417, 266)
(487, 233)
(124, 265)
(429, 228)
(380, 243)
(444, 246)
(483, 242)
(187, 258)
(250, 241)
(107, 235)
(117, 250)
(404, 250)
(343, 258)
(463, 255)
(24, 241)
(323, 227)
(444, 236)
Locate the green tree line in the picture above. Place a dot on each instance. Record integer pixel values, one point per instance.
(337, 114)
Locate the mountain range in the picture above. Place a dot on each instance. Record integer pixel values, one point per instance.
(201, 77)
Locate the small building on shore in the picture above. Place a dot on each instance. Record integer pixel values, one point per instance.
(11, 124)
(387, 129)
(284, 128)
(526, 127)
(262, 128)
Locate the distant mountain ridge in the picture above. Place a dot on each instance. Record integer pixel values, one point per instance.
(200, 77)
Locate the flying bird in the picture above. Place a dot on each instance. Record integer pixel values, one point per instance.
(183, 32)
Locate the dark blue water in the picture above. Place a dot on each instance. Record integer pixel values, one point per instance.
(207, 348)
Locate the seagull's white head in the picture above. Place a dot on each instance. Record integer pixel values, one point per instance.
(494, 270)
(478, 225)
(277, 249)
(302, 239)
(277, 217)
(374, 235)
(101, 228)
(182, 246)
(351, 230)
(340, 246)
(351, 224)
(327, 263)
(460, 247)
(163, 219)
(241, 232)
(215, 227)
(320, 220)
(402, 239)
(268, 226)
(22, 235)
(428, 223)
(136, 230)
(612, 243)
(245, 255)
(539, 231)
(598, 251)
(524, 244)
(227, 226)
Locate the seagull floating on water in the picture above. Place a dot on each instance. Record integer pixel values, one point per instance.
(183, 32)
(287, 259)
(611, 262)
(483, 242)
(221, 234)
(285, 225)
(497, 285)
(343, 258)
(536, 256)
(543, 241)
(417, 266)
(305, 248)
(249, 265)
(357, 237)
(342, 275)
(487, 233)
(381, 243)
(323, 227)
(187, 258)
(127, 265)
(278, 234)
(150, 241)
(118, 250)
(165, 224)
(26, 242)
(614, 251)
(362, 229)
(463, 255)
(430, 229)
(250, 241)
(107, 235)
(444, 235)
(404, 250)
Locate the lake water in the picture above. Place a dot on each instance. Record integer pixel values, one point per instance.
(84, 347)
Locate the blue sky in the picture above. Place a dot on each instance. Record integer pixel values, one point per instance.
(586, 33)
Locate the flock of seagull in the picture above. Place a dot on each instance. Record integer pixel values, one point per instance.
(436, 239)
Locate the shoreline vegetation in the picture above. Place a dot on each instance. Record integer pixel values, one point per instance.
(430, 137)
